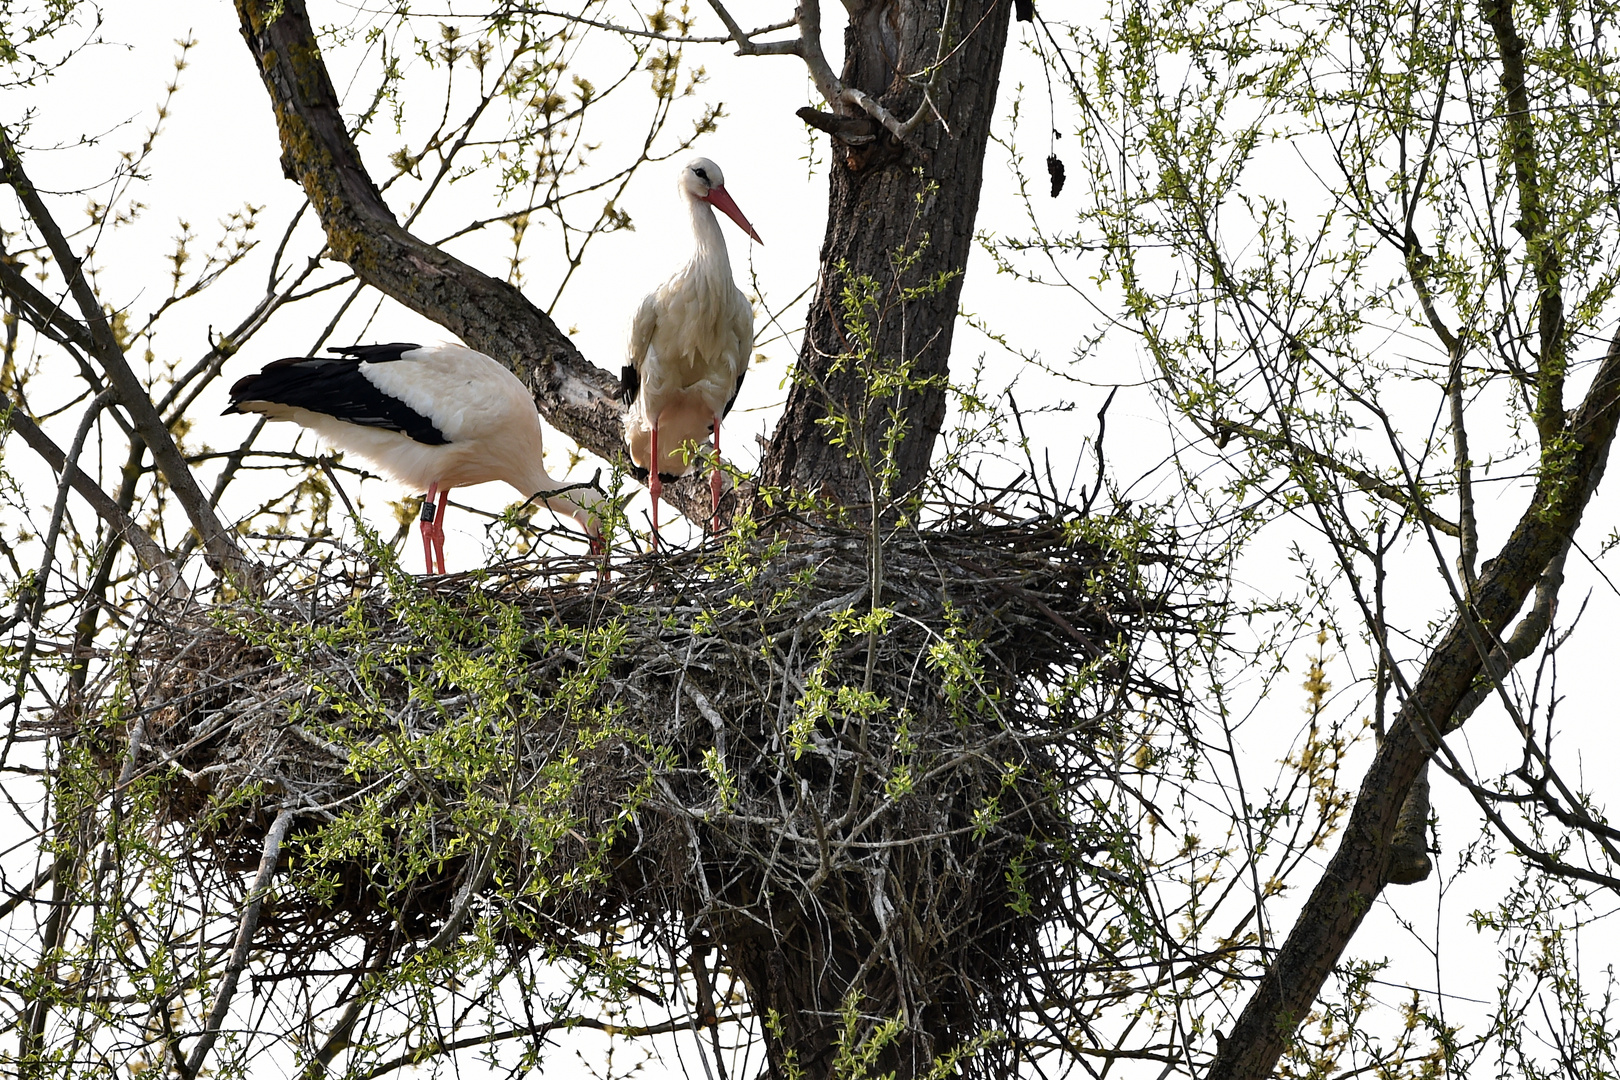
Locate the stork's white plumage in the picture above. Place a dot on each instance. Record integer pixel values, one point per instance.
(689, 344)
(434, 418)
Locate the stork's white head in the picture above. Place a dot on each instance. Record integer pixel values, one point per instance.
(701, 176)
(702, 181)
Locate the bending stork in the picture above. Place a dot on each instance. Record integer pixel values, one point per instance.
(435, 418)
(689, 345)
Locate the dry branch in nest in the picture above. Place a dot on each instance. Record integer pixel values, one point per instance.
(848, 795)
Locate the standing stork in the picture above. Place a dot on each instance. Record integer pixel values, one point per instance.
(434, 417)
(689, 345)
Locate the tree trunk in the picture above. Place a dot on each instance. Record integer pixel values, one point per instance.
(919, 197)
(887, 198)
(899, 215)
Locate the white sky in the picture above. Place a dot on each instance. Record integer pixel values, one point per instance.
(219, 151)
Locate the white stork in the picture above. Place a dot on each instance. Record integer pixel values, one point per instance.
(689, 344)
(434, 417)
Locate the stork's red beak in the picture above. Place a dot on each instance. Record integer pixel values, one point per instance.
(722, 202)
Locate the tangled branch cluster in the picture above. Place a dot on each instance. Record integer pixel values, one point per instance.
(851, 796)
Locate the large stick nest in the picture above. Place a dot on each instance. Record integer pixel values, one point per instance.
(710, 747)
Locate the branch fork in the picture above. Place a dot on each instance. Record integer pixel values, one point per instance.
(845, 100)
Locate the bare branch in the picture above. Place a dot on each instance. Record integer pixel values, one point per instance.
(653, 35)
(34, 598)
(832, 90)
(222, 550)
(1417, 265)
(244, 939)
(146, 549)
(43, 313)
(27, 892)
(1366, 481)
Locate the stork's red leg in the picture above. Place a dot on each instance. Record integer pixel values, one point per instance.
(438, 529)
(604, 564)
(714, 477)
(429, 513)
(654, 485)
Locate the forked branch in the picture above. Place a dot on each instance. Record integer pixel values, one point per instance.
(807, 47)
(1364, 480)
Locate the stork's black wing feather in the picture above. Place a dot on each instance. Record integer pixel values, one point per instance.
(338, 388)
(735, 390)
(629, 384)
(376, 354)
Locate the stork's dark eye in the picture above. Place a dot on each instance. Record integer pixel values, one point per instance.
(703, 176)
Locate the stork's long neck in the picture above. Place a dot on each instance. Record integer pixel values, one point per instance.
(709, 254)
(576, 504)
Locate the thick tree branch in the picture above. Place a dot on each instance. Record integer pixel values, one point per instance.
(222, 550)
(489, 314)
(1360, 867)
(1535, 221)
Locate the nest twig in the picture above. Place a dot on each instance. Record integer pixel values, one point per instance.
(710, 746)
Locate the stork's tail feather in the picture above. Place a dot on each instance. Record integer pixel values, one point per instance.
(641, 474)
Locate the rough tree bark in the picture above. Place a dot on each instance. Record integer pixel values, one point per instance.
(883, 197)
